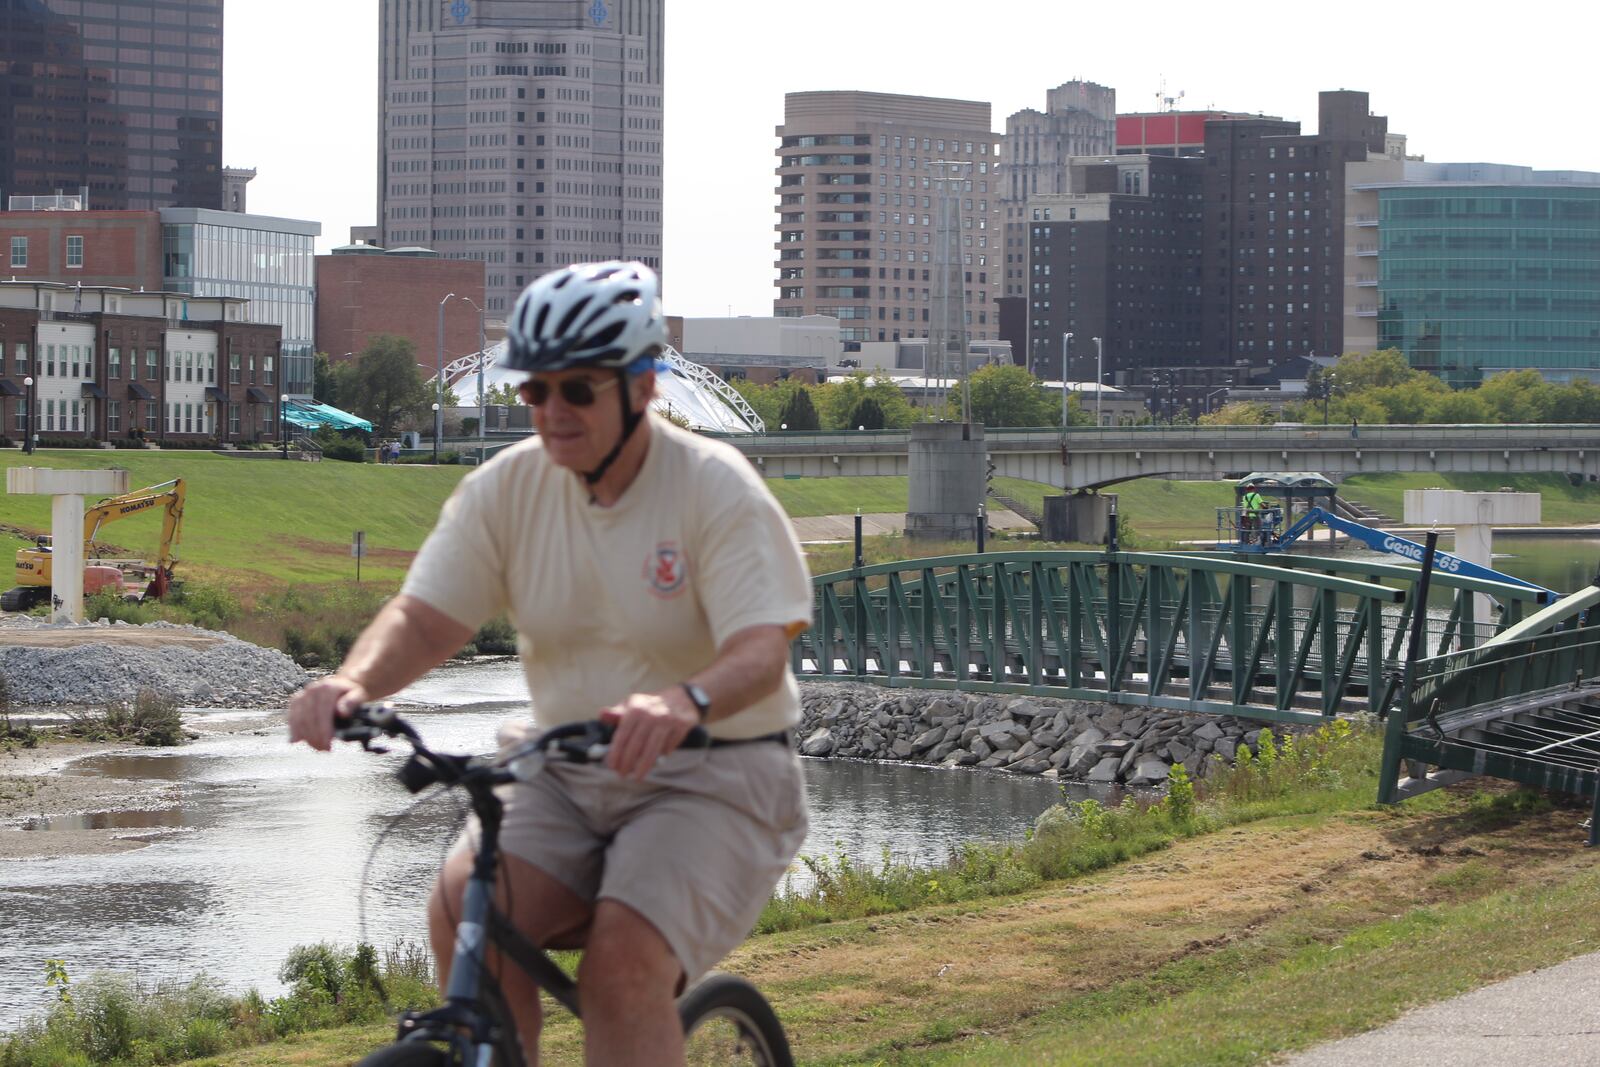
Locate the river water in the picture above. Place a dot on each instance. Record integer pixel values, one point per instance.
(270, 847)
(271, 844)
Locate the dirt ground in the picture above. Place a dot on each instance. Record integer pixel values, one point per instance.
(134, 636)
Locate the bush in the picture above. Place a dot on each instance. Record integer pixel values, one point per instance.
(346, 445)
(151, 720)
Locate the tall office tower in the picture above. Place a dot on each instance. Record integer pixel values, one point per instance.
(522, 133)
(1079, 119)
(124, 100)
(858, 205)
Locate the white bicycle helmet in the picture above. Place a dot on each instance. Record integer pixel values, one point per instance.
(603, 315)
(587, 315)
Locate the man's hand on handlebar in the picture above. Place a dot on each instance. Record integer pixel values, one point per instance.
(312, 710)
(648, 726)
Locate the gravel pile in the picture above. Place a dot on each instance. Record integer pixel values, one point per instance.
(230, 673)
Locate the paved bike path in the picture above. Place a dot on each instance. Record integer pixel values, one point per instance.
(1548, 1016)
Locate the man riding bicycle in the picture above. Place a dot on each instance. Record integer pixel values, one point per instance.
(654, 583)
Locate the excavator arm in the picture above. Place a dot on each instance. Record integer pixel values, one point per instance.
(168, 495)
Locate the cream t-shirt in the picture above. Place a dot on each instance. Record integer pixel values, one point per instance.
(632, 598)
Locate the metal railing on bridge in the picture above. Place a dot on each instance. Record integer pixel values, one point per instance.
(1282, 638)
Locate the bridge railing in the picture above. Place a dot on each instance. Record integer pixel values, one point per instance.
(1195, 632)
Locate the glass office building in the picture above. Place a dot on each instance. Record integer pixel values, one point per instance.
(269, 261)
(1479, 278)
(124, 99)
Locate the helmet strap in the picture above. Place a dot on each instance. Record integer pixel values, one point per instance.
(630, 422)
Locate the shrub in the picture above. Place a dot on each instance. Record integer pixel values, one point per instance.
(151, 720)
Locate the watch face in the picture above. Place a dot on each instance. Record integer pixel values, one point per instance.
(698, 695)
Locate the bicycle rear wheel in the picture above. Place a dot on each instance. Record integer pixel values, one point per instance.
(726, 1020)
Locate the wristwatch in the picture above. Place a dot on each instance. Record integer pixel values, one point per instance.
(702, 703)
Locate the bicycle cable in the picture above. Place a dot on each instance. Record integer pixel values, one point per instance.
(372, 854)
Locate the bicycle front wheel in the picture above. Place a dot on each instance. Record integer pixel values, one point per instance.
(726, 1020)
(408, 1054)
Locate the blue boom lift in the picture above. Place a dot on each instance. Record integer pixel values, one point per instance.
(1242, 530)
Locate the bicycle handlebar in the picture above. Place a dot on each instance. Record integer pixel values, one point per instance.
(576, 742)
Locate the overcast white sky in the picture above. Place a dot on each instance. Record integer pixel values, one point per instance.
(1471, 81)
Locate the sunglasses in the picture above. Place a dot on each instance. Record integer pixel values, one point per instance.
(579, 392)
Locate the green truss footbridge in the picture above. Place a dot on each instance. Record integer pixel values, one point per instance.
(1277, 637)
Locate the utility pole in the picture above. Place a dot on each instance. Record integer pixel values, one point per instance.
(438, 383)
(1066, 342)
(1099, 378)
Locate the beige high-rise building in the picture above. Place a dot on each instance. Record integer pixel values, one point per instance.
(1079, 121)
(862, 178)
(522, 133)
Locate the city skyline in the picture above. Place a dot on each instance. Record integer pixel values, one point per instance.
(313, 136)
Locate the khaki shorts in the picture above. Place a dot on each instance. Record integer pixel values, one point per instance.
(696, 848)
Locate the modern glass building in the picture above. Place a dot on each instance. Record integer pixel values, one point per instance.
(124, 99)
(268, 261)
(1475, 278)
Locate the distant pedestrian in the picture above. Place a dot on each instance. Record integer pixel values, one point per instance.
(1355, 427)
(394, 451)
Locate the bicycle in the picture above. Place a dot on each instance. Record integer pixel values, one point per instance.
(725, 1018)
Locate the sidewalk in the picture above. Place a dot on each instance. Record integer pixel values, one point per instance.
(1550, 1016)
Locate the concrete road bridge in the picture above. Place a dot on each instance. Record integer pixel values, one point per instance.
(1092, 458)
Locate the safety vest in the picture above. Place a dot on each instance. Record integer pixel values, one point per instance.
(1253, 503)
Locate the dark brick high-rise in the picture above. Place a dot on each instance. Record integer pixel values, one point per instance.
(1274, 250)
(124, 98)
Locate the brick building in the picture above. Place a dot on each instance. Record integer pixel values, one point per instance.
(108, 365)
(363, 291)
(118, 248)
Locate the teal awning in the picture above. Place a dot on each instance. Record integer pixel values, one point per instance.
(311, 415)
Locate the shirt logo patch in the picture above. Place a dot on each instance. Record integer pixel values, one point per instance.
(667, 570)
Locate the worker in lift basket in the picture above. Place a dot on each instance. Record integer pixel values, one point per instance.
(1254, 504)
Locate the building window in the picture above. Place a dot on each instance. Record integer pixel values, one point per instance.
(233, 419)
(188, 418)
(74, 252)
(22, 416)
(152, 417)
(113, 416)
(269, 375)
(114, 363)
(75, 415)
(211, 368)
(19, 251)
(21, 355)
(50, 361)
(233, 368)
(50, 415)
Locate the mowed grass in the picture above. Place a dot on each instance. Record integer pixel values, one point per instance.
(258, 522)
(1561, 502)
(804, 497)
(1157, 508)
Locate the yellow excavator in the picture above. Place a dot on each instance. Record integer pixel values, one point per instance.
(99, 575)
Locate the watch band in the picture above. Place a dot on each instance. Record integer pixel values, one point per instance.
(698, 698)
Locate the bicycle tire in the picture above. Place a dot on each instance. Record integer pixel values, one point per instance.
(759, 1037)
(408, 1054)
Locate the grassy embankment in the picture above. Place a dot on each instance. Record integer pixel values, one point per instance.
(1280, 912)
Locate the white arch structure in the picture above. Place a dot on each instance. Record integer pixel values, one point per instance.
(687, 389)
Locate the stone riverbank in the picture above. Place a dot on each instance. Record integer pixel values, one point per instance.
(1072, 739)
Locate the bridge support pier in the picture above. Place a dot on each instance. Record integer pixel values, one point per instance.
(1081, 517)
(947, 464)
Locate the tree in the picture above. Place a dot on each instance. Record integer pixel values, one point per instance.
(384, 386)
(767, 400)
(1238, 413)
(1007, 395)
(502, 395)
(837, 400)
(798, 412)
(1359, 371)
(866, 415)
(1457, 407)
(324, 380)
(1518, 396)
(1578, 401)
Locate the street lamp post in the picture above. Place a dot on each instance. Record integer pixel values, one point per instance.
(483, 410)
(1066, 343)
(1099, 378)
(28, 417)
(438, 383)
